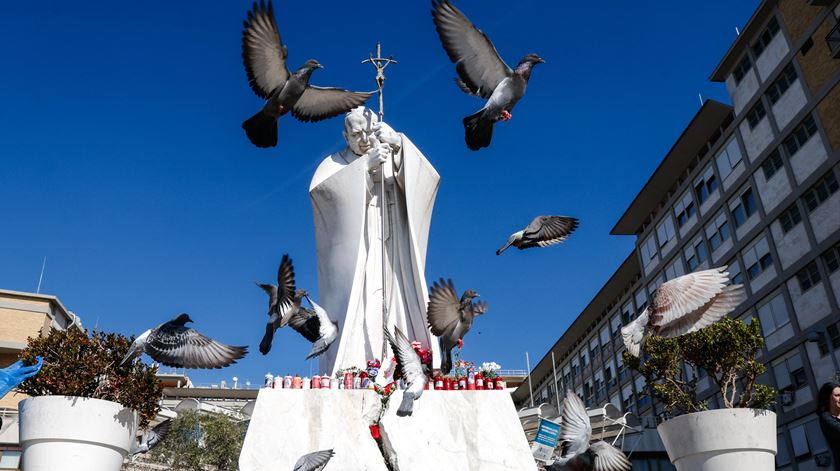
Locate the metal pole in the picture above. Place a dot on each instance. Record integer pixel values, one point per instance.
(557, 389)
(530, 388)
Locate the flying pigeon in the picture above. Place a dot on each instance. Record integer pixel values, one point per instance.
(316, 326)
(481, 72)
(150, 439)
(315, 461)
(283, 301)
(412, 367)
(174, 344)
(451, 319)
(542, 232)
(577, 454)
(264, 56)
(14, 374)
(683, 305)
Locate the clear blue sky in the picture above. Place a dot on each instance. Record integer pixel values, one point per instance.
(123, 160)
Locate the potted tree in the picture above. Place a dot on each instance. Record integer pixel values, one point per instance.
(742, 435)
(85, 408)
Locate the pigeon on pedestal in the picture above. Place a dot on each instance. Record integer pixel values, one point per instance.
(413, 370)
(264, 56)
(481, 72)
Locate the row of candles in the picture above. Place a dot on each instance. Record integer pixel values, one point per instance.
(471, 382)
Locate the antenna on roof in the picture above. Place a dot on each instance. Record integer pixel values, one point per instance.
(737, 31)
(41, 277)
(700, 96)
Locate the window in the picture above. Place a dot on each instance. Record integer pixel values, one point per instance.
(594, 348)
(807, 440)
(615, 326)
(641, 300)
(608, 376)
(756, 114)
(780, 86)
(648, 249)
(821, 191)
(790, 374)
(790, 218)
(783, 452)
(665, 230)
(728, 158)
(695, 254)
(584, 358)
(765, 37)
(831, 258)
(809, 276)
(771, 164)
(741, 69)
(706, 185)
(9, 459)
(743, 207)
(757, 258)
(834, 338)
(718, 230)
(799, 136)
(675, 269)
(735, 272)
(773, 314)
(684, 209)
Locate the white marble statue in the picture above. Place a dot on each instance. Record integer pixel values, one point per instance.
(346, 196)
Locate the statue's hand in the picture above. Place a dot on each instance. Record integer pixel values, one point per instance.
(377, 156)
(387, 135)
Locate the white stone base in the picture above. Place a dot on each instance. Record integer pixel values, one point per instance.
(463, 430)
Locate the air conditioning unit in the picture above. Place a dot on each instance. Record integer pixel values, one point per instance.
(787, 397)
(823, 460)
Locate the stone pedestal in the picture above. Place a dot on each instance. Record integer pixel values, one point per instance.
(463, 430)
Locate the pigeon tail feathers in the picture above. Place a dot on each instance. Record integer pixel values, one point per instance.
(407, 405)
(478, 130)
(265, 344)
(261, 130)
(319, 347)
(446, 361)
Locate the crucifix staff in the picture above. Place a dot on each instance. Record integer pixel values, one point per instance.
(380, 63)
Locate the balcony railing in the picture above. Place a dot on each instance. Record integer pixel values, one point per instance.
(833, 40)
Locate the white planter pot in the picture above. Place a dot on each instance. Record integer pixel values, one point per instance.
(721, 440)
(74, 434)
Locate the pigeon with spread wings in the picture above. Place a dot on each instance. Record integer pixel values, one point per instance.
(683, 305)
(414, 372)
(316, 326)
(315, 461)
(283, 301)
(576, 453)
(542, 232)
(450, 318)
(176, 345)
(150, 439)
(264, 56)
(481, 72)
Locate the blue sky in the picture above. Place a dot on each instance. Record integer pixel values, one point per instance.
(124, 163)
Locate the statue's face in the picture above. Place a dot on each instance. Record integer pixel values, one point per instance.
(358, 135)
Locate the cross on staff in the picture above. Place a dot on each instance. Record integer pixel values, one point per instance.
(380, 63)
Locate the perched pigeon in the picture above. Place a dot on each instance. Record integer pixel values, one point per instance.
(577, 454)
(451, 319)
(542, 232)
(482, 72)
(14, 374)
(174, 344)
(150, 439)
(315, 461)
(264, 56)
(414, 372)
(283, 301)
(683, 305)
(316, 326)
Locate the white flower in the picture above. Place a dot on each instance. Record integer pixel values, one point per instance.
(490, 366)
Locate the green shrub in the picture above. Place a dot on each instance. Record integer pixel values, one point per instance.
(201, 441)
(78, 364)
(726, 351)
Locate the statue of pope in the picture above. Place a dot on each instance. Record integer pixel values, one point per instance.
(347, 206)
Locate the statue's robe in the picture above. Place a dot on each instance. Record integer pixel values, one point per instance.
(346, 205)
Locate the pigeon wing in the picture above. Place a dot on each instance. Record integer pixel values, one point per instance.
(479, 308)
(708, 314)
(285, 286)
(406, 355)
(306, 323)
(633, 333)
(158, 433)
(476, 60)
(547, 230)
(319, 103)
(182, 347)
(609, 458)
(443, 310)
(313, 461)
(263, 53)
(685, 294)
(576, 431)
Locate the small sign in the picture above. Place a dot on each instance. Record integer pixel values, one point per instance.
(546, 440)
